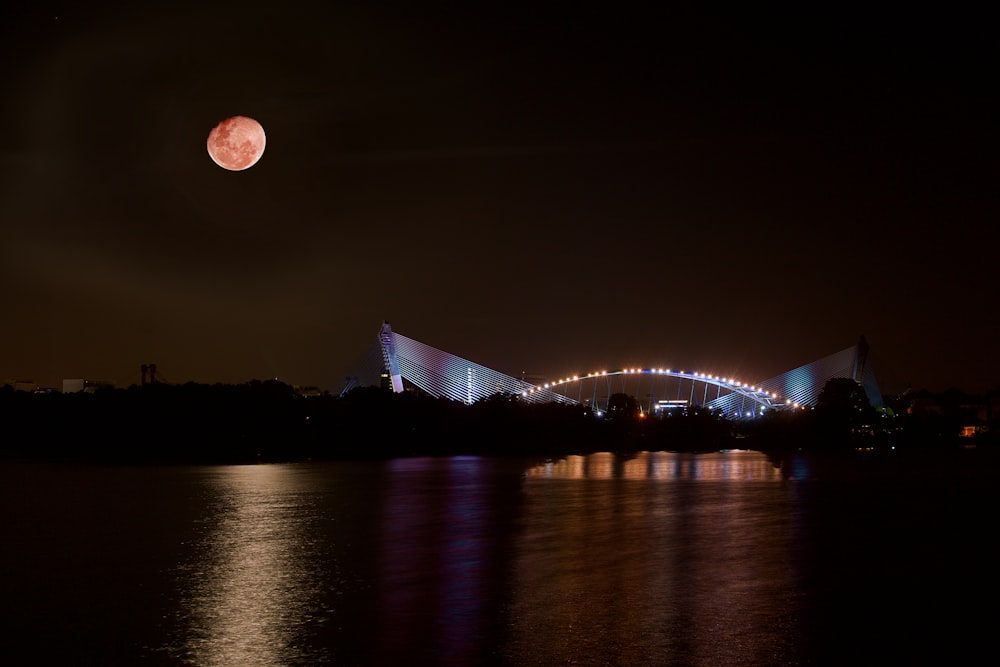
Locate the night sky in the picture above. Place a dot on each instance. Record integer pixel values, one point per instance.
(532, 187)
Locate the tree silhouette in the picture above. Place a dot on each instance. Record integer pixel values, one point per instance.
(622, 406)
(843, 411)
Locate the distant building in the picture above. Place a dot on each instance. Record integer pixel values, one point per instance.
(969, 415)
(665, 407)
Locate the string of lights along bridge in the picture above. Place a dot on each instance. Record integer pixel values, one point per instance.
(401, 361)
(729, 396)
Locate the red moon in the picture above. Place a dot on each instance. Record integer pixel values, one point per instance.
(236, 143)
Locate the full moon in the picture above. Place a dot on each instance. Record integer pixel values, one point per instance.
(236, 143)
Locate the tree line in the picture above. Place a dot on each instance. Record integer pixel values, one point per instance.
(270, 421)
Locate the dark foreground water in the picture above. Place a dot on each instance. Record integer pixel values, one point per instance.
(658, 559)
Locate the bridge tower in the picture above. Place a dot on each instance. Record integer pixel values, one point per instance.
(860, 360)
(390, 358)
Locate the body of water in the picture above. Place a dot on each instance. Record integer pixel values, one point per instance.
(727, 558)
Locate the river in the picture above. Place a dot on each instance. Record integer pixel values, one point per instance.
(724, 558)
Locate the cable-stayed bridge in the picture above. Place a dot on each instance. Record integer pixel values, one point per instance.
(399, 362)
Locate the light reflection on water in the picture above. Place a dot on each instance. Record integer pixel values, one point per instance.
(438, 549)
(733, 465)
(658, 559)
(252, 589)
(261, 585)
(469, 567)
(650, 559)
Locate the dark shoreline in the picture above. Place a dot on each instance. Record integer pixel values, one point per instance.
(270, 422)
